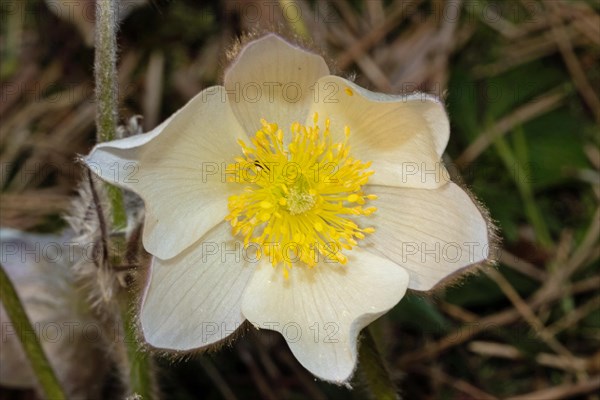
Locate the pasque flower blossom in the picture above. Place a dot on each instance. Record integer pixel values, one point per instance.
(296, 200)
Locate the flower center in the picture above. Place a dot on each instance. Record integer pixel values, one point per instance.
(299, 199)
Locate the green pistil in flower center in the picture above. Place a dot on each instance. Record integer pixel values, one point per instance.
(300, 200)
(300, 197)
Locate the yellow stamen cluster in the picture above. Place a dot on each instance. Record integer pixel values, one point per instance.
(299, 199)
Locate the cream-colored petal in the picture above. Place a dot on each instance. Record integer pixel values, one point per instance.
(404, 136)
(272, 79)
(431, 233)
(320, 311)
(194, 299)
(178, 169)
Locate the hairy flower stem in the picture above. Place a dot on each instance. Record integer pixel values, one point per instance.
(374, 370)
(140, 368)
(106, 70)
(42, 369)
(107, 88)
(296, 24)
(137, 371)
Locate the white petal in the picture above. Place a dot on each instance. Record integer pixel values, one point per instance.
(194, 299)
(272, 79)
(404, 136)
(431, 233)
(178, 169)
(320, 311)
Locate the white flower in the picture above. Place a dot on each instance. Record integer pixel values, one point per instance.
(341, 190)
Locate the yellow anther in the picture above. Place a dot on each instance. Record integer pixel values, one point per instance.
(349, 91)
(265, 204)
(265, 216)
(341, 258)
(370, 210)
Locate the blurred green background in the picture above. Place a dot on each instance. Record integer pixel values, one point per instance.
(521, 83)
